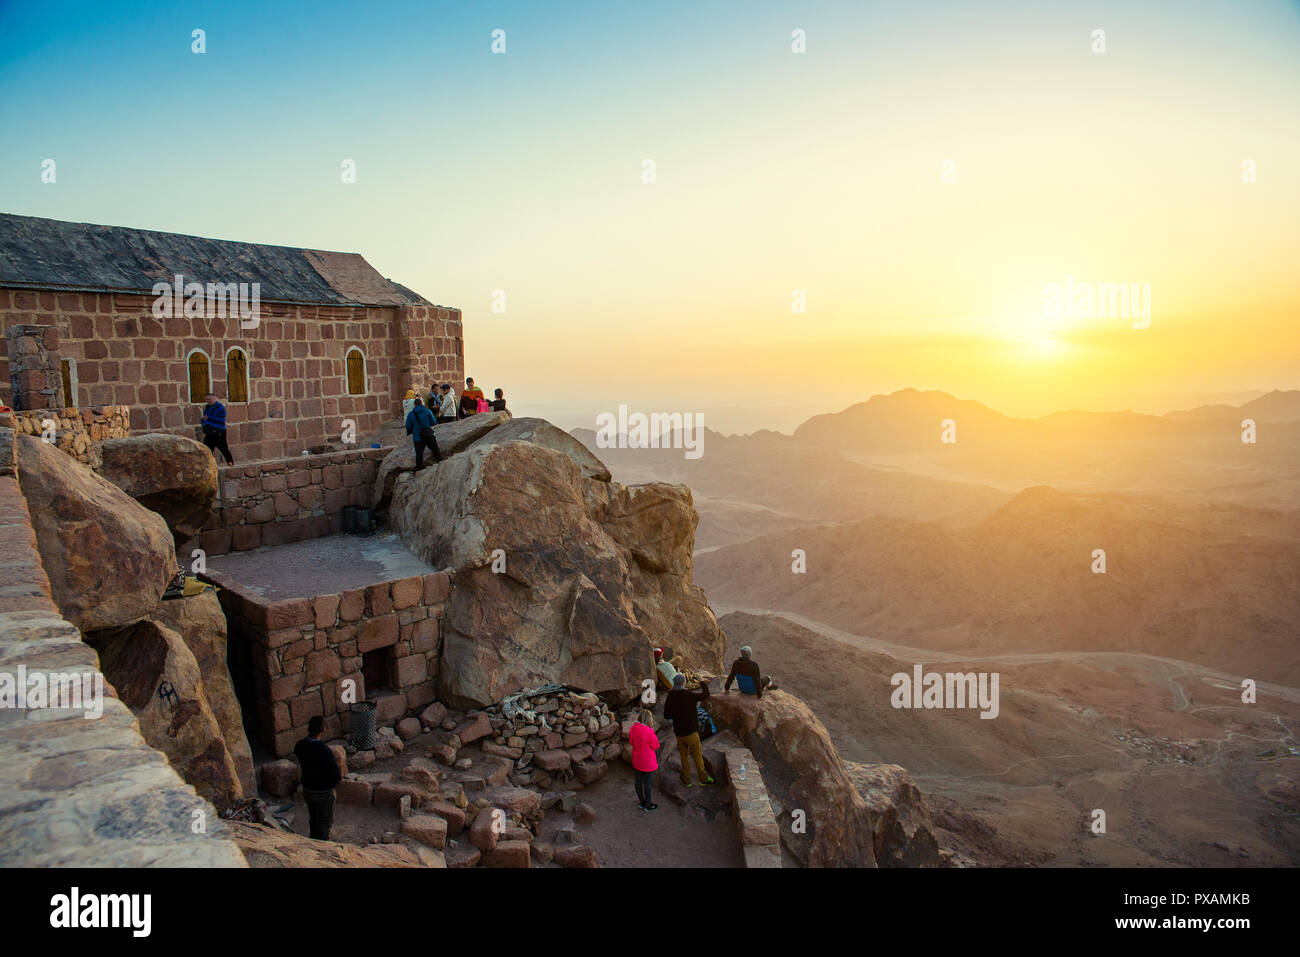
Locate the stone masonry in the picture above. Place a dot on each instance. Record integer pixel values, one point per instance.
(308, 651)
(35, 381)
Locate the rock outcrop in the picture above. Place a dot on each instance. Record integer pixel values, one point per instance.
(560, 576)
(902, 832)
(158, 678)
(452, 437)
(202, 624)
(168, 474)
(108, 558)
(803, 771)
(540, 432)
(265, 846)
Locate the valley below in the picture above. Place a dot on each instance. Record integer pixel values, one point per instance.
(1126, 577)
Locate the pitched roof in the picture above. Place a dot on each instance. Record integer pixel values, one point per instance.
(81, 257)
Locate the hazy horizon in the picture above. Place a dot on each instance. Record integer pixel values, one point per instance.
(778, 418)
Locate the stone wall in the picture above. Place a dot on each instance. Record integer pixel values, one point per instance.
(34, 378)
(760, 838)
(62, 775)
(75, 430)
(297, 379)
(304, 649)
(287, 500)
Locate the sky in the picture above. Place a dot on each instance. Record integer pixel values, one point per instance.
(775, 174)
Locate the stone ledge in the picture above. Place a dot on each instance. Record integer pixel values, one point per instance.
(760, 838)
(78, 791)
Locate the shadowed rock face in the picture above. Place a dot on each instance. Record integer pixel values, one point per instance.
(168, 474)
(108, 558)
(559, 575)
(202, 625)
(899, 817)
(137, 661)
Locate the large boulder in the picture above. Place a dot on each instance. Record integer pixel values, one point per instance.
(803, 771)
(900, 822)
(551, 584)
(452, 437)
(158, 678)
(202, 624)
(168, 474)
(540, 432)
(108, 558)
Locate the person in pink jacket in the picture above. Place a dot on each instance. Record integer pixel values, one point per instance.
(645, 748)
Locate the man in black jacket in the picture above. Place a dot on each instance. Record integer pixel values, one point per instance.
(320, 773)
(419, 426)
(679, 708)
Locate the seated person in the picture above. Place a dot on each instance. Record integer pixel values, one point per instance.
(664, 670)
(748, 678)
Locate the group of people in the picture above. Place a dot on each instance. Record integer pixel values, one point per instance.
(321, 774)
(443, 406)
(682, 708)
(440, 404)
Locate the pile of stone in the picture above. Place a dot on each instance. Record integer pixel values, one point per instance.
(554, 733)
(75, 430)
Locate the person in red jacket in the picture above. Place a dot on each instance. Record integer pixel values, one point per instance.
(645, 748)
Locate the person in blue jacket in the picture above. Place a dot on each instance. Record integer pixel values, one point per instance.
(419, 426)
(214, 427)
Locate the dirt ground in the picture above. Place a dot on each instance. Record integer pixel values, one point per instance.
(699, 833)
(675, 835)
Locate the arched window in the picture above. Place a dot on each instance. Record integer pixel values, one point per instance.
(236, 376)
(68, 367)
(200, 382)
(356, 372)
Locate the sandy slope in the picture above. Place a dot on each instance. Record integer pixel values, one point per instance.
(1186, 774)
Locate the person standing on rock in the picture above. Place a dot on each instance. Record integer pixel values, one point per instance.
(499, 401)
(469, 399)
(679, 708)
(214, 428)
(447, 404)
(320, 773)
(645, 747)
(419, 426)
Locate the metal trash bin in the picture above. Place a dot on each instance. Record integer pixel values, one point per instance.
(363, 725)
(362, 522)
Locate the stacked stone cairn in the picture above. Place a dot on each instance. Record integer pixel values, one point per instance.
(554, 734)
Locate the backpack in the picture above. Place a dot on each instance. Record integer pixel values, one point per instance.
(707, 728)
(483, 406)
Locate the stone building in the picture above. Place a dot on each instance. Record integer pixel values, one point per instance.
(299, 343)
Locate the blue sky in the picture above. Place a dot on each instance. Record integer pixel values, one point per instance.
(522, 172)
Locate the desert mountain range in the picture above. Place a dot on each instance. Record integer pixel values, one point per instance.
(1120, 688)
